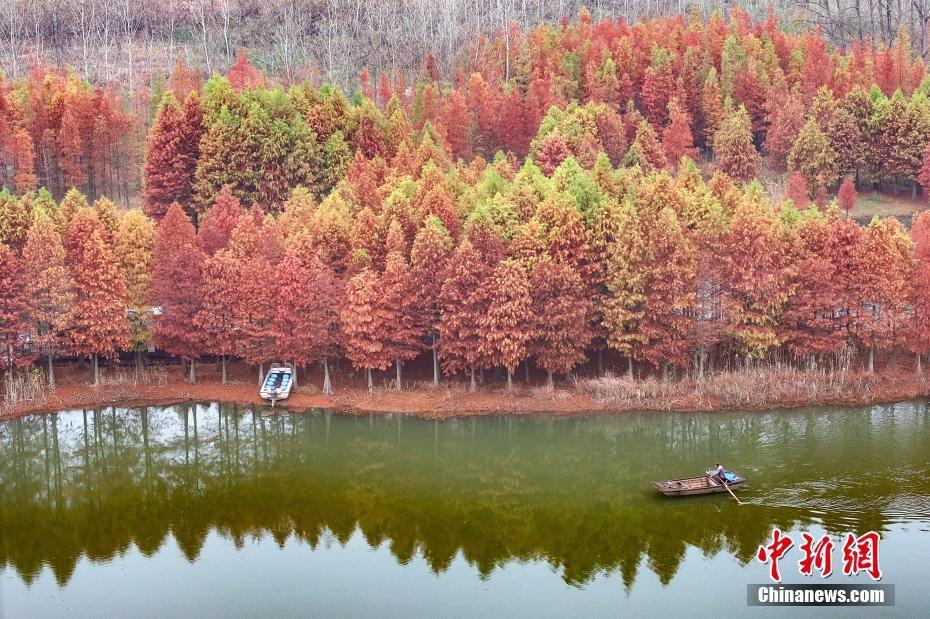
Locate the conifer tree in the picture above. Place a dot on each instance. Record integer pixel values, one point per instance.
(459, 313)
(216, 320)
(24, 177)
(563, 312)
(625, 281)
(362, 325)
(757, 271)
(218, 223)
(847, 195)
(812, 156)
(97, 323)
(177, 287)
(734, 151)
(797, 190)
(135, 245)
(920, 301)
(15, 219)
(307, 319)
(646, 151)
(506, 326)
(676, 137)
(785, 123)
(13, 315)
(71, 148)
(48, 288)
(395, 307)
(885, 292)
(172, 152)
(428, 263)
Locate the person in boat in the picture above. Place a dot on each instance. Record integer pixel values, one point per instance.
(719, 473)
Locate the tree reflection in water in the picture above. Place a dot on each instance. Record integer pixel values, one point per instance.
(573, 492)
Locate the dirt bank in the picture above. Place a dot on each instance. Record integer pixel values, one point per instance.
(452, 398)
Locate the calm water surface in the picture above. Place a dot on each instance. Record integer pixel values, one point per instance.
(219, 510)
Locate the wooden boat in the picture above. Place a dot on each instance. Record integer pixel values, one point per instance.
(277, 385)
(705, 484)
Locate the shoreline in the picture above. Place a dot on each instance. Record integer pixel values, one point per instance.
(451, 399)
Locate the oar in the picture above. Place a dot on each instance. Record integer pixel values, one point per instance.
(738, 502)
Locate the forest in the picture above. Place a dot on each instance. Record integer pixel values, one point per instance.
(668, 197)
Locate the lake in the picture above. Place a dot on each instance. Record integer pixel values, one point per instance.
(225, 510)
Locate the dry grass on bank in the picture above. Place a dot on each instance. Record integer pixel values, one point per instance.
(753, 389)
(28, 386)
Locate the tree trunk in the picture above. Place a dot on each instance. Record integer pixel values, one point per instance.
(193, 376)
(914, 191)
(920, 368)
(96, 371)
(261, 375)
(435, 363)
(138, 360)
(549, 382)
(51, 372)
(509, 380)
(527, 367)
(664, 372)
(629, 367)
(472, 387)
(327, 384)
(481, 375)
(600, 362)
(223, 368)
(294, 375)
(871, 359)
(397, 364)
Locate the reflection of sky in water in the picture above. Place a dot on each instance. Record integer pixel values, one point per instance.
(503, 516)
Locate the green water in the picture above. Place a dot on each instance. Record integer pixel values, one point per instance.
(220, 510)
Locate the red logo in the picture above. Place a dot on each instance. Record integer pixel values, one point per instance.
(860, 554)
(817, 555)
(773, 552)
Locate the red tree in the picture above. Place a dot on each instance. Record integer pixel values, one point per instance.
(219, 222)
(506, 324)
(676, 137)
(48, 288)
(847, 195)
(254, 305)
(215, 319)
(177, 287)
(172, 152)
(395, 306)
(553, 150)
(242, 75)
(361, 325)
(563, 312)
(24, 178)
(797, 190)
(307, 318)
(920, 339)
(429, 258)
(884, 290)
(459, 315)
(14, 324)
(97, 322)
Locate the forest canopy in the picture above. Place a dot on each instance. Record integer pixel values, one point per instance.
(607, 188)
